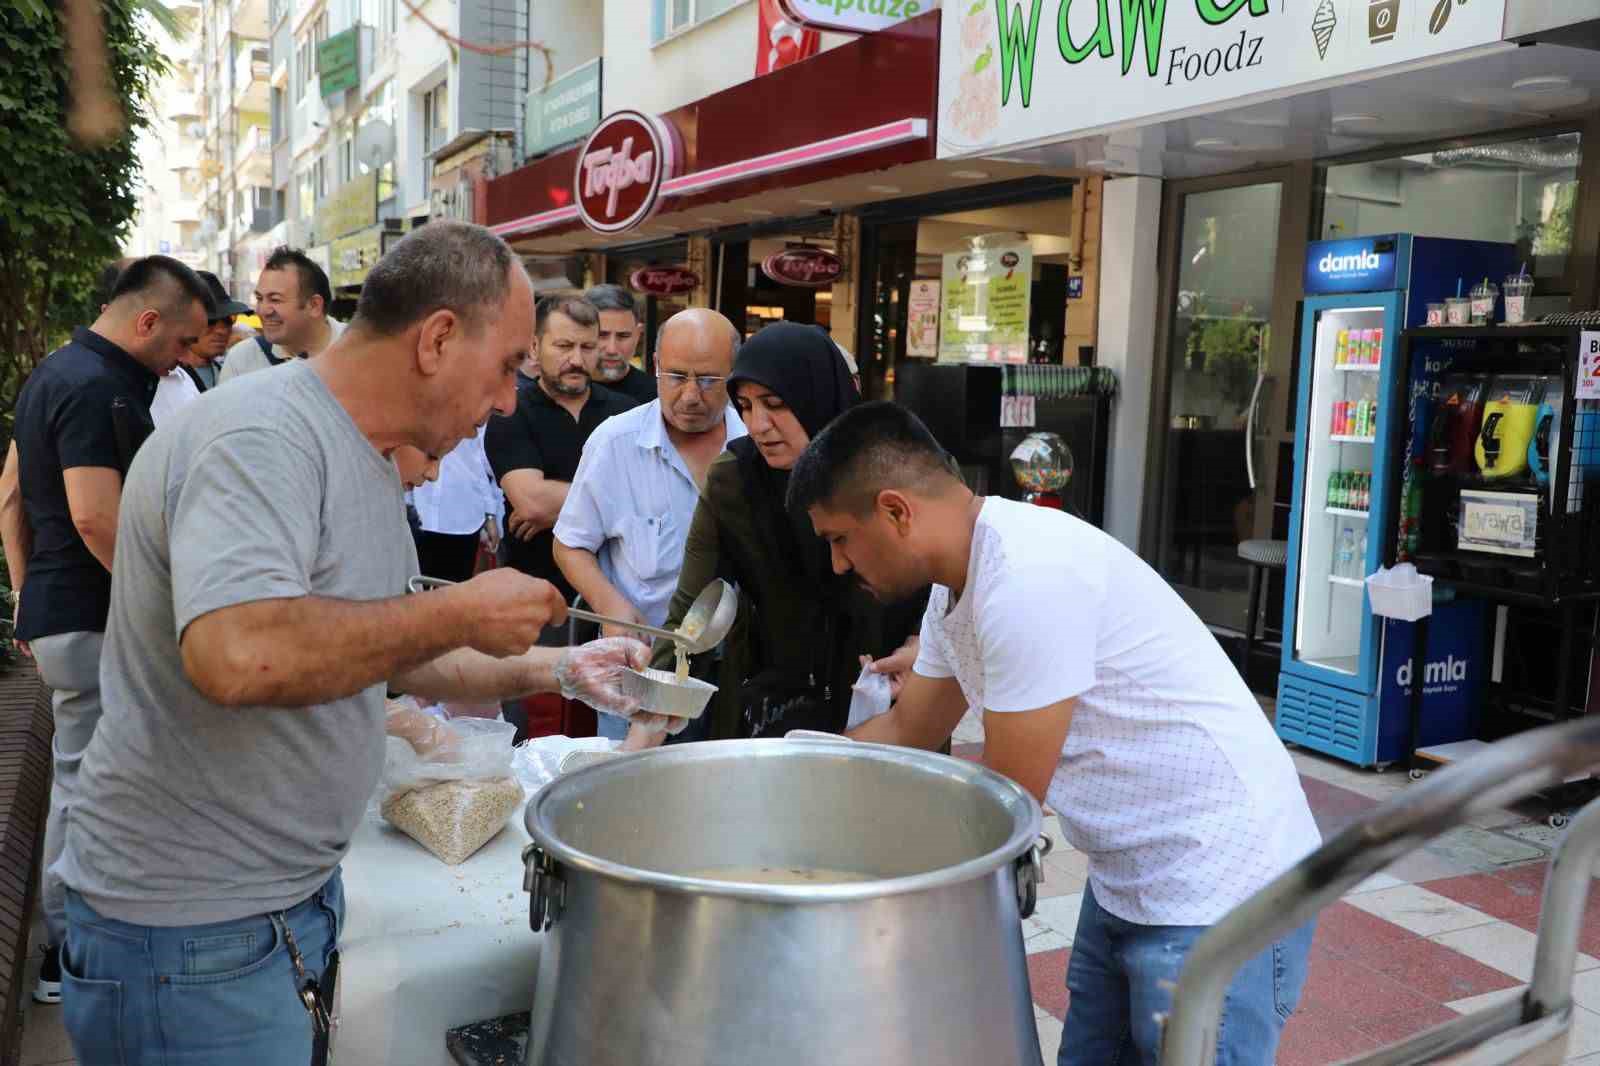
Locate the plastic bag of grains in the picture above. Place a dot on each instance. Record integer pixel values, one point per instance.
(452, 797)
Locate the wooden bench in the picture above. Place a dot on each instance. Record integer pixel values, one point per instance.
(26, 726)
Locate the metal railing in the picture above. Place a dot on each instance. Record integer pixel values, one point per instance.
(1530, 1031)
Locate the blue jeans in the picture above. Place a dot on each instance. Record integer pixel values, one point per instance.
(135, 995)
(1122, 976)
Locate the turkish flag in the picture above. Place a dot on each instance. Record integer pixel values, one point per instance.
(779, 41)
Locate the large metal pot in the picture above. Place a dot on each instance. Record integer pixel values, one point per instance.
(645, 964)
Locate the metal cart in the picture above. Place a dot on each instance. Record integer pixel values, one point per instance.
(1530, 1031)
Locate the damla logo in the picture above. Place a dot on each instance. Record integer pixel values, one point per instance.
(1366, 259)
(1448, 670)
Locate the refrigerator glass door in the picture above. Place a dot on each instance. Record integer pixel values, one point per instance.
(1336, 539)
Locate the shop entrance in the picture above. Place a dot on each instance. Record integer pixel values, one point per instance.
(750, 297)
(1223, 387)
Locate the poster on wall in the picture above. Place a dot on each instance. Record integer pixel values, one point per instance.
(984, 301)
(1005, 65)
(922, 320)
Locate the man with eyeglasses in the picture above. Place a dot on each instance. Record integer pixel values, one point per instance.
(620, 333)
(292, 298)
(620, 537)
(534, 452)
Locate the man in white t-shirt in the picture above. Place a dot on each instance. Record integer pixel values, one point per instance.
(1103, 694)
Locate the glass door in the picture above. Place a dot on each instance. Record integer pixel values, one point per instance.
(1219, 472)
(1346, 359)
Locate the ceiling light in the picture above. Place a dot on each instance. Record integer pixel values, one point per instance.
(1354, 118)
(1212, 143)
(708, 219)
(1098, 164)
(816, 203)
(759, 212)
(886, 190)
(969, 175)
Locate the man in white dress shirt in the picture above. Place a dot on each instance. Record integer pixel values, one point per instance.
(458, 510)
(620, 536)
(1102, 693)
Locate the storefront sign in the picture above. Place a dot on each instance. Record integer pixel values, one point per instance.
(339, 61)
(353, 256)
(352, 206)
(985, 302)
(922, 320)
(663, 281)
(1075, 288)
(806, 268)
(621, 168)
(1588, 366)
(854, 16)
(1360, 264)
(563, 111)
(1007, 66)
(1505, 523)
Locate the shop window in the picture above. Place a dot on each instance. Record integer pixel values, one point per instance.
(670, 17)
(1519, 192)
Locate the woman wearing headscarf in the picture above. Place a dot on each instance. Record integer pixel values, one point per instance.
(802, 630)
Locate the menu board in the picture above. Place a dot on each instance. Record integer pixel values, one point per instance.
(922, 320)
(984, 301)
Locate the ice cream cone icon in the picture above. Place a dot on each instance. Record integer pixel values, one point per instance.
(1322, 27)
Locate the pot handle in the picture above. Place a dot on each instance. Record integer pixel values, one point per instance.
(547, 893)
(1030, 875)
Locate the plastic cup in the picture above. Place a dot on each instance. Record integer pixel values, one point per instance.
(1436, 314)
(1518, 288)
(1458, 310)
(1483, 299)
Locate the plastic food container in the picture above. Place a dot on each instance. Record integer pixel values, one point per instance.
(1435, 314)
(1484, 295)
(1518, 288)
(1458, 311)
(1401, 593)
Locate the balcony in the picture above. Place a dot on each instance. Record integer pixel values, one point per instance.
(184, 212)
(182, 108)
(252, 159)
(250, 17)
(184, 157)
(251, 77)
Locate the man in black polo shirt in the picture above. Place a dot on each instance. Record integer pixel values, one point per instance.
(81, 415)
(620, 333)
(535, 451)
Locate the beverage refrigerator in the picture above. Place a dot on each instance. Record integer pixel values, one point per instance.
(1335, 692)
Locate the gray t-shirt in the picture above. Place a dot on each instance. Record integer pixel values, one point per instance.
(191, 812)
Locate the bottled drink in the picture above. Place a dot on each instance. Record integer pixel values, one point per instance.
(1364, 491)
(1341, 347)
(1372, 419)
(1345, 558)
(1377, 346)
(1361, 555)
(1359, 429)
(1333, 488)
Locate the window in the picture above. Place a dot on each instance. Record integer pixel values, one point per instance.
(347, 160)
(1518, 192)
(671, 17)
(319, 177)
(305, 68)
(307, 181)
(280, 116)
(435, 118)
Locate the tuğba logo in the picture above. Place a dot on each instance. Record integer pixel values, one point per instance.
(1340, 264)
(621, 168)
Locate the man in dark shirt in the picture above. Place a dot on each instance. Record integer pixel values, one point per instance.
(534, 452)
(620, 332)
(80, 417)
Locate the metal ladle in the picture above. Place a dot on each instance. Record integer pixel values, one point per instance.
(704, 625)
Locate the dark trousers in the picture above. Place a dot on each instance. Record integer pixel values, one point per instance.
(450, 556)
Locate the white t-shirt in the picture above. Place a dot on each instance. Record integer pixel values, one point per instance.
(1170, 780)
(174, 392)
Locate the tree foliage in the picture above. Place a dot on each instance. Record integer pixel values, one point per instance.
(64, 209)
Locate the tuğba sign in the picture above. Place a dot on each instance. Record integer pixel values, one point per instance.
(853, 16)
(663, 281)
(620, 170)
(806, 268)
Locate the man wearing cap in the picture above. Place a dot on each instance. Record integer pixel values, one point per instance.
(60, 497)
(292, 298)
(204, 361)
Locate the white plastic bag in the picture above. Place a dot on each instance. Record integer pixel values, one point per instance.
(538, 762)
(453, 791)
(870, 696)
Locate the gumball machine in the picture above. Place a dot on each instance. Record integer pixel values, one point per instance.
(1042, 465)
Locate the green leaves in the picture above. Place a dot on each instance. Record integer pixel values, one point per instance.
(983, 60)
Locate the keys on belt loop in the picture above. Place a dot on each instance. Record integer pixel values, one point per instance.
(304, 982)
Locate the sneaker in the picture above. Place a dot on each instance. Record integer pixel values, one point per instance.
(48, 989)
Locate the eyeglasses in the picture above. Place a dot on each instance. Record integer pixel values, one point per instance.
(706, 383)
(226, 320)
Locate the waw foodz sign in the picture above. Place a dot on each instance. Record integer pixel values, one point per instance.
(1008, 66)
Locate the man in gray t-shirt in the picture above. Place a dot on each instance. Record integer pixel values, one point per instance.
(258, 612)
